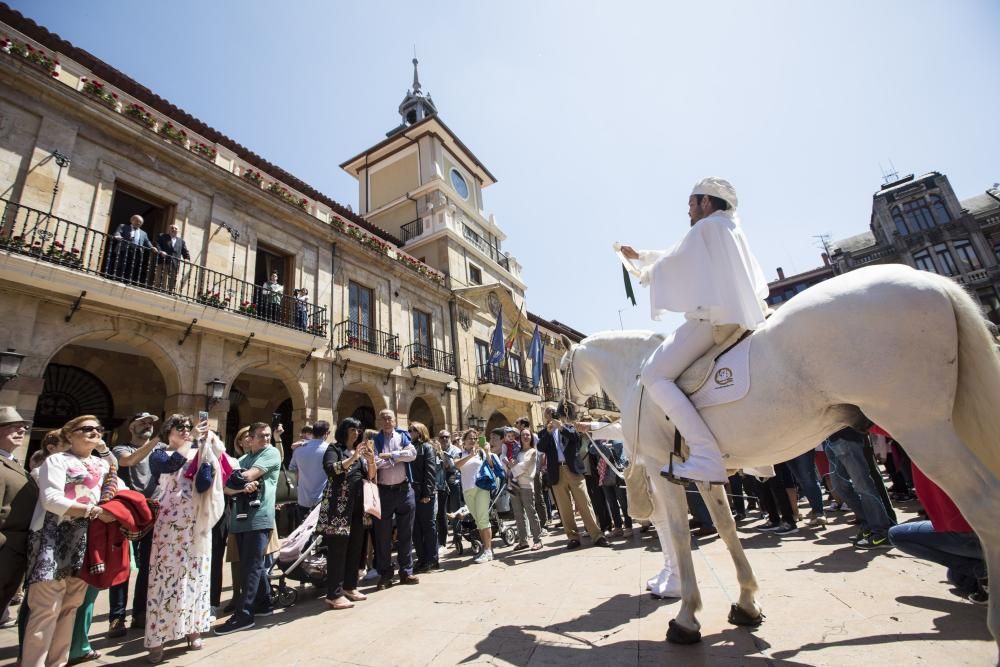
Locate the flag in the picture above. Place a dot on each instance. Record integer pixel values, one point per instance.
(536, 352)
(513, 334)
(628, 285)
(496, 344)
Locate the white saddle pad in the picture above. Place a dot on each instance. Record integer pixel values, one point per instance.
(730, 379)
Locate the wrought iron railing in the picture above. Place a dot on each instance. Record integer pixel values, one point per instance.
(411, 230)
(355, 336)
(501, 258)
(551, 394)
(425, 356)
(490, 374)
(601, 403)
(32, 233)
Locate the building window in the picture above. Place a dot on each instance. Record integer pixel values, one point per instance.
(996, 250)
(940, 210)
(482, 354)
(945, 260)
(897, 218)
(422, 336)
(923, 261)
(475, 275)
(918, 215)
(515, 364)
(968, 260)
(990, 303)
(360, 312)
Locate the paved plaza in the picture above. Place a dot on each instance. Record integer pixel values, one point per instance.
(826, 604)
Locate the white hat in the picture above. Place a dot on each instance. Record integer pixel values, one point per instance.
(9, 415)
(713, 186)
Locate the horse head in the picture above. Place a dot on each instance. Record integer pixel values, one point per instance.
(579, 381)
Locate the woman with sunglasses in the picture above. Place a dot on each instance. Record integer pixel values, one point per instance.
(190, 494)
(70, 485)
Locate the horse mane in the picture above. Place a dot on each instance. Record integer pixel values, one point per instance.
(631, 334)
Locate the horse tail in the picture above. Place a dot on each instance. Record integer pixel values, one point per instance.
(976, 412)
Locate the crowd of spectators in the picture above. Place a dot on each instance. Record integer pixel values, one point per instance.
(386, 505)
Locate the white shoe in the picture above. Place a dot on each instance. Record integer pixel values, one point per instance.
(484, 557)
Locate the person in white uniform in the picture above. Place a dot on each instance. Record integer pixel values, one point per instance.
(712, 277)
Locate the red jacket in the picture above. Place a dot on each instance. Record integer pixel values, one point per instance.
(106, 562)
(944, 516)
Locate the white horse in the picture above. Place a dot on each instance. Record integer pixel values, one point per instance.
(907, 349)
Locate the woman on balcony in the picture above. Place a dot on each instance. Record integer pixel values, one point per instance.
(342, 518)
(180, 563)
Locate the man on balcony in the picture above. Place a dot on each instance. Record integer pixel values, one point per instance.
(172, 250)
(272, 294)
(128, 251)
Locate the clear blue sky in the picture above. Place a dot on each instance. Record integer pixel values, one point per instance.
(596, 118)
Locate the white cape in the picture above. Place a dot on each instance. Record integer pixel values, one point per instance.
(710, 275)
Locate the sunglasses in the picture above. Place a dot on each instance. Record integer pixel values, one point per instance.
(99, 430)
(184, 427)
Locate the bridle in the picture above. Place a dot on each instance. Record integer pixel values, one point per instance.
(567, 405)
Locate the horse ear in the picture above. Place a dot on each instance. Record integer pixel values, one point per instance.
(567, 343)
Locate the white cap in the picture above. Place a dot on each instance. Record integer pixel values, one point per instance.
(713, 186)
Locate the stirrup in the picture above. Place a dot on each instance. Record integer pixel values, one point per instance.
(669, 474)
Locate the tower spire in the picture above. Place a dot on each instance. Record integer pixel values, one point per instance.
(417, 105)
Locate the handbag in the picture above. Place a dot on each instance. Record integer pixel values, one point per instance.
(372, 503)
(486, 478)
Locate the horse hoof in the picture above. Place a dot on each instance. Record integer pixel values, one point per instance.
(678, 634)
(737, 616)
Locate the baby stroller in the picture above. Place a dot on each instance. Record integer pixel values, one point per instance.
(465, 527)
(302, 558)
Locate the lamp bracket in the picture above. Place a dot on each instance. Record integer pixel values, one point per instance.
(187, 332)
(245, 344)
(76, 306)
(308, 357)
(343, 368)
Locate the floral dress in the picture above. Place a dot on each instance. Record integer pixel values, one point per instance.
(179, 578)
(343, 491)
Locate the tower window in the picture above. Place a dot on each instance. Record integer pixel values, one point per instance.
(475, 275)
(458, 182)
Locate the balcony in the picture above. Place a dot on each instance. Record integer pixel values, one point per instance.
(974, 277)
(428, 363)
(601, 404)
(501, 258)
(365, 345)
(551, 394)
(411, 230)
(506, 384)
(40, 236)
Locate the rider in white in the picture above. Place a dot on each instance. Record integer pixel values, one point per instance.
(712, 277)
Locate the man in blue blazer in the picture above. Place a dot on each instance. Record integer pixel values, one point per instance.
(129, 250)
(393, 454)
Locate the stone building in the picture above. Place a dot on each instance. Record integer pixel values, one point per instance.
(920, 222)
(401, 296)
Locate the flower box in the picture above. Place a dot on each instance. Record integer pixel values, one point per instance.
(138, 113)
(247, 308)
(280, 191)
(178, 136)
(35, 56)
(98, 91)
(214, 299)
(57, 253)
(317, 329)
(254, 177)
(203, 150)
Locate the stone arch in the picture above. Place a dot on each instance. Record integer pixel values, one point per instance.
(288, 378)
(497, 420)
(127, 337)
(426, 408)
(361, 400)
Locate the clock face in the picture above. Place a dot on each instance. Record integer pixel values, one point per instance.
(494, 303)
(458, 182)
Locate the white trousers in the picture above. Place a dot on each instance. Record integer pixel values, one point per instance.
(681, 349)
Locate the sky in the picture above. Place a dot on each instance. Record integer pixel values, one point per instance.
(597, 118)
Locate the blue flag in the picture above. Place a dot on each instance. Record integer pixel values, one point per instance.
(497, 348)
(536, 352)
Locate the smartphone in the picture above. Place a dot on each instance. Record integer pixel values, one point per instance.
(202, 416)
(276, 418)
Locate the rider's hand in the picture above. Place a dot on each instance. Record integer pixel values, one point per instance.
(582, 427)
(629, 252)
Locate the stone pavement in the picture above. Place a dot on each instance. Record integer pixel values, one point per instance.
(826, 604)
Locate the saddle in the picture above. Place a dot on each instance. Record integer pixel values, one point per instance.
(698, 373)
